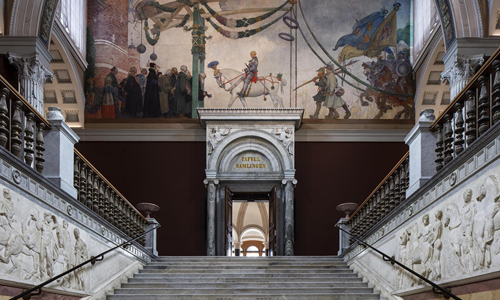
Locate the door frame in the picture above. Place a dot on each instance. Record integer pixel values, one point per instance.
(249, 187)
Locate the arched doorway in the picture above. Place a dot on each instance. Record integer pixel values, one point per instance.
(250, 156)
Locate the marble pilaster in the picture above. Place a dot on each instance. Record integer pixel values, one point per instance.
(32, 77)
(463, 58)
(211, 185)
(461, 71)
(289, 185)
(422, 144)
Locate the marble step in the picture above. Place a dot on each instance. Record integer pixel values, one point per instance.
(348, 274)
(247, 267)
(312, 296)
(222, 258)
(232, 279)
(243, 291)
(256, 263)
(245, 271)
(241, 285)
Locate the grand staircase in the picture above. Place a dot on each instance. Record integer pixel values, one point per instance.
(245, 278)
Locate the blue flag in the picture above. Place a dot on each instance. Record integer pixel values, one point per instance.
(362, 31)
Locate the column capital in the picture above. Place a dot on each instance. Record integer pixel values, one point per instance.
(463, 67)
(29, 66)
(291, 180)
(207, 181)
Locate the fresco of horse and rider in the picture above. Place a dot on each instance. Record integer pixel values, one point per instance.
(352, 59)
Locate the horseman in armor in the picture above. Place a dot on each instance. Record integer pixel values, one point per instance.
(250, 73)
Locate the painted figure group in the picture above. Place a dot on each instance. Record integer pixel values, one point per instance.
(329, 94)
(148, 94)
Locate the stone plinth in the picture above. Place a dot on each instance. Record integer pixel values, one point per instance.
(60, 151)
(422, 144)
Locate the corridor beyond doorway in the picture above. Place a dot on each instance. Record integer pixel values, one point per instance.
(250, 224)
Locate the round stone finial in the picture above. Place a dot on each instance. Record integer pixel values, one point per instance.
(54, 113)
(427, 115)
(347, 208)
(147, 208)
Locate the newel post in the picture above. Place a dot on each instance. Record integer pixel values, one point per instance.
(60, 152)
(422, 144)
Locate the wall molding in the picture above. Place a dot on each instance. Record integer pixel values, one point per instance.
(199, 135)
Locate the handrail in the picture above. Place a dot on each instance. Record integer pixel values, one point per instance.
(379, 185)
(469, 85)
(25, 102)
(107, 182)
(28, 293)
(443, 291)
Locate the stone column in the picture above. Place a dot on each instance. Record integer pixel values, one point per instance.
(422, 144)
(211, 185)
(461, 71)
(343, 237)
(60, 152)
(237, 248)
(289, 185)
(32, 77)
(151, 238)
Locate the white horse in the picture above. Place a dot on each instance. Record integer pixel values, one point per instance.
(265, 86)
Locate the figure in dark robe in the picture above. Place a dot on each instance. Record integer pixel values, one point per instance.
(134, 94)
(183, 94)
(152, 95)
(172, 102)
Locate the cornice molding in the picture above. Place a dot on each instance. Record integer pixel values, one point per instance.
(199, 135)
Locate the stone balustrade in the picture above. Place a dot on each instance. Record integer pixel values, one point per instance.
(98, 194)
(386, 196)
(21, 127)
(470, 115)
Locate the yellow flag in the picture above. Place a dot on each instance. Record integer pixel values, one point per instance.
(385, 36)
(349, 52)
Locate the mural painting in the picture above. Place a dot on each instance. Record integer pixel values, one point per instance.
(336, 59)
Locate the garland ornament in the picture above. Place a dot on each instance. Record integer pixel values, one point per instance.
(242, 34)
(159, 6)
(155, 30)
(183, 22)
(245, 22)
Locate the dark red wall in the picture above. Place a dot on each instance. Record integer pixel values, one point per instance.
(329, 174)
(168, 174)
(171, 175)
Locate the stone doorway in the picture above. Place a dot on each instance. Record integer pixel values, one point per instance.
(250, 151)
(253, 224)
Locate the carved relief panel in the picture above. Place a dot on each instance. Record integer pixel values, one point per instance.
(458, 238)
(36, 245)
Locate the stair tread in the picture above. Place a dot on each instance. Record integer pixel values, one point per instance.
(244, 278)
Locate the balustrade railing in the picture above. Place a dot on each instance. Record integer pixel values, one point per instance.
(98, 194)
(386, 196)
(473, 112)
(21, 127)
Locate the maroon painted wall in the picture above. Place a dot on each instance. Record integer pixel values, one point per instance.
(329, 174)
(171, 175)
(168, 174)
